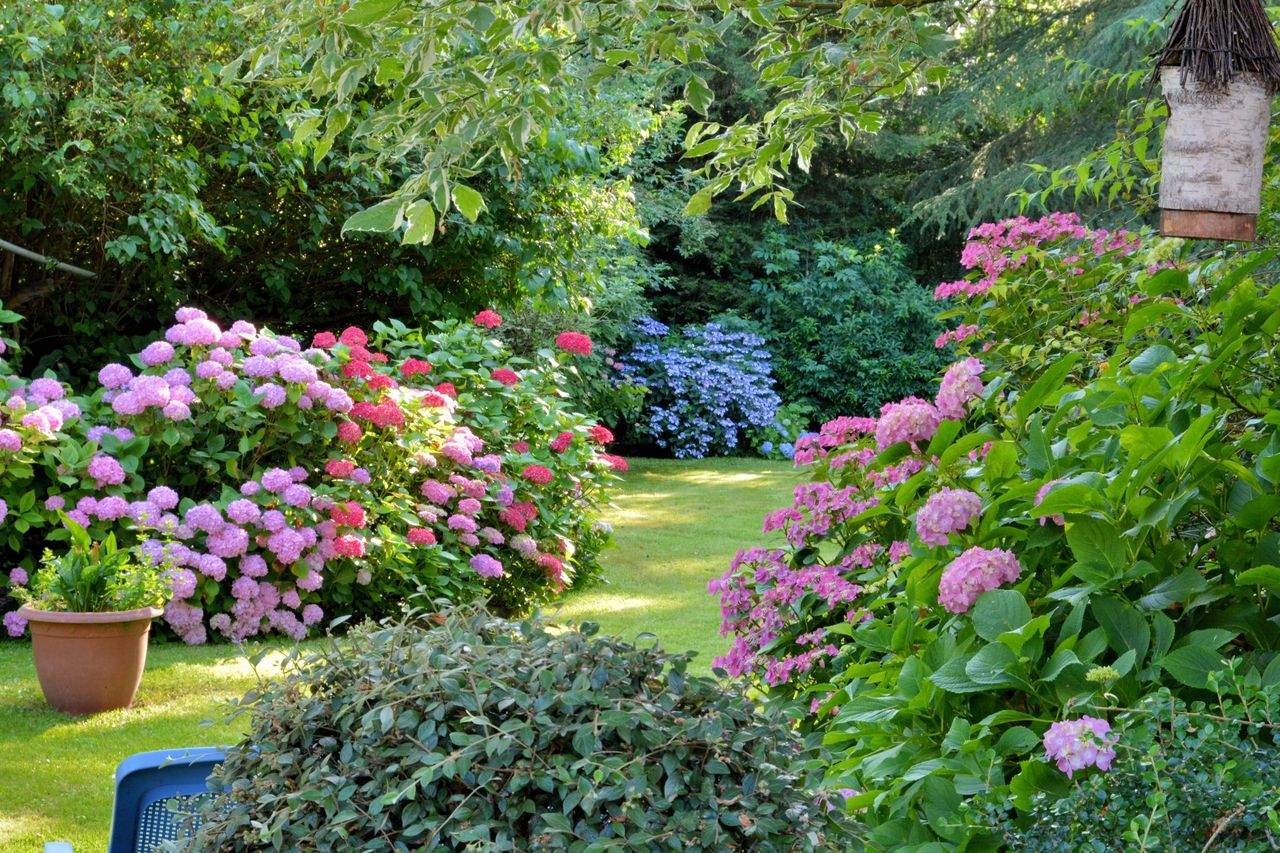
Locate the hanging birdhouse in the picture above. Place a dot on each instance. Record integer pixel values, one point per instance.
(1219, 70)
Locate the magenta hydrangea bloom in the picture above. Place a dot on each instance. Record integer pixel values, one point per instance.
(111, 508)
(1076, 744)
(311, 614)
(106, 471)
(46, 420)
(273, 396)
(204, 517)
(18, 576)
(14, 625)
(10, 440)
(176, 411)
(486, 566)
(973, 573)
(946, 512)
(114, 376)
(276, 480)
(243, 511)
(163, 497)
(912, 419)
(960, 384)
(55, 502)
(156, 352)
(182, 582)
(49, 389)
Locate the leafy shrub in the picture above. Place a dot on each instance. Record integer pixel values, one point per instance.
(1204, 776)
(482, 734)
(92, 577)
(280, 482)
(778, 440)
(848, 326)
(1099, 491)
(708, 389)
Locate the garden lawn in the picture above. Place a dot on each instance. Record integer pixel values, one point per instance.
(678, 523)
(56, 771)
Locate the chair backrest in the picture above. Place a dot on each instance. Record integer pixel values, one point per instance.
(147, 786)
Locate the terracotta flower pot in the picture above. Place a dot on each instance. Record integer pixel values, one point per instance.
(89, 662)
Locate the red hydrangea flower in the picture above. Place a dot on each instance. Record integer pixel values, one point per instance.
(488, 319)
(537, 474)
(350, 514)
(349, 431)
(514, 519)
(359, 353)
(414, 366)
(353, 337)
(505, 376)
(520, 447)
(388, 414)
(574, 343)
(561, 442)
(447, 389)
(617, 463)
(421, 536)
(356, 369)
(349, 546)
(324, 340)
(378, 357)
(528, 510)
(339, 468)
(434, 399)
(600, 434)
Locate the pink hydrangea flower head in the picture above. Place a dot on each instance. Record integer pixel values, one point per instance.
(106, 471)
(155, 353)
(18, 576)
(947, 511)
(10, 441)
(114, 376)
(486, 566)
(960, 384)
(506, 376)
(574, 343)
(353, 336)
(974, 572)
(1076, 744)
(537, 474)
(488, 319)
(912, 419)
(48, 389)
(186, 314)
(163, 497)
(14, 625)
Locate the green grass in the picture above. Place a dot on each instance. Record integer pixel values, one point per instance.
(678, 524)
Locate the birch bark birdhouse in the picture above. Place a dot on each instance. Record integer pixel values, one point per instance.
(1218, 71)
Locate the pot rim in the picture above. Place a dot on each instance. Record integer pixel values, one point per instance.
(32, 614)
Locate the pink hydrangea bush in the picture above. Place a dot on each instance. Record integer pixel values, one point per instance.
(286, 480)
(956, 579)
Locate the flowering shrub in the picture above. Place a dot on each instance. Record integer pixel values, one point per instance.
(708, 389)
(1090, 498)
(281, 481)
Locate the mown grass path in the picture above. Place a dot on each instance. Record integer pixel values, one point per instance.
(678, 524)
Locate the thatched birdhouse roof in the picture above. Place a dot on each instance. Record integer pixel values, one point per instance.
(1216, 41)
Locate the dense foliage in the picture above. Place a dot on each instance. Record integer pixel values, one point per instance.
(493, 735)
(848, 326)
(276, 482)
(708, 389)
(1097, 491)
(1203, 776)
(128, 152)
(90, 577)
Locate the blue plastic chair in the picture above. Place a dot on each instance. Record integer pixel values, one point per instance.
(149, 786)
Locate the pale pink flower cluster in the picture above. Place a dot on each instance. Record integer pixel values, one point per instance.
(974, 572)
(946, 512)
(960, 384)
(912, 420)
(1076, 744)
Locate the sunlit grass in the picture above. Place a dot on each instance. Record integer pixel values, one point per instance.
(678, 525)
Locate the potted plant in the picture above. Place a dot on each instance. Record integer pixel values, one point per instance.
(89, 612)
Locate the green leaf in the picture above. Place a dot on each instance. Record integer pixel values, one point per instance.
(1192, 664)
(1125, 627)
(991, 665)
(421, 220)
(1268, 576)
(698, 94)
(382, 217)
(367, 11)
(468, 201)
(952, 677)
(1049, 382)
(1095, 542)
(699, 203)
(1150, 359)
(998, 611)
(1180, 587)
